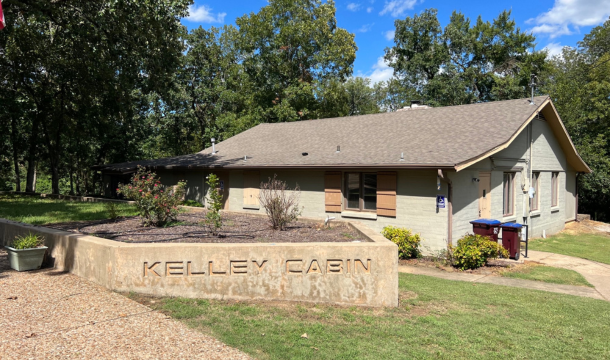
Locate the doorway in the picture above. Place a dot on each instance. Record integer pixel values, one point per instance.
(484, 195)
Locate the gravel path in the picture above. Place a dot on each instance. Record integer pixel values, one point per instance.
(47, 314)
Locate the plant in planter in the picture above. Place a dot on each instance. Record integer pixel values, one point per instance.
(26, 252)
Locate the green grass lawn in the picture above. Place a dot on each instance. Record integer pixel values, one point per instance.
(437, 319)
(594, 247)
(548, 274)
(39, 211)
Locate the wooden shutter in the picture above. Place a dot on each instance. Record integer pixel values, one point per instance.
(332, 191)
(252, 184)
(386, 194)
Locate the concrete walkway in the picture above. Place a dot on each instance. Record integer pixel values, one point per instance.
(497, 280)
(597, 274)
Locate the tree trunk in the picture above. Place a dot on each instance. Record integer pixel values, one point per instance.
(30, 183)
(17, 175)
(71, 181)
(15, 142)
(55, 179)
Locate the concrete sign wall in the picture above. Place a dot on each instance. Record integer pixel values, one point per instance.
(363, 273)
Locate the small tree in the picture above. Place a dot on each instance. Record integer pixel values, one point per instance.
(213, 219)
(280, 203)
(156, 204)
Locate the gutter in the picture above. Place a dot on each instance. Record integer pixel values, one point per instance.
(449, 206)
(248, 167)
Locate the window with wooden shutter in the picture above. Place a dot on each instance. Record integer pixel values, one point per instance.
(332, 191)
(252, 184)
(386, 194)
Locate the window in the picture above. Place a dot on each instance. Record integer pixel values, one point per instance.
(535, 201)
(554, 186)
(361, 191)
(509, 193)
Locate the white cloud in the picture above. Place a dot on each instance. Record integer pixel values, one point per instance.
(379, 72)
(553, 49)
(353, 7)
(566, 13)
(389, 35)
(398, 7)
(204, 14)
(366, 28)
(369, 9)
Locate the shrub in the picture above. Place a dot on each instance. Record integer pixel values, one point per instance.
(281, 204)
(28, 241)
(192, 203)
(156, 204)
(408, 243)
(473, 251)
(112, 209)
(213, 219)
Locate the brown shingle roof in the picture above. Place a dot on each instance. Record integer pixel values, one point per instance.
(434, 137)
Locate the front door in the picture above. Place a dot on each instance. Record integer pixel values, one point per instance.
(484, 197)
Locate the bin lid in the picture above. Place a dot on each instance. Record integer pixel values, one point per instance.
(511, 225)
(486, 221)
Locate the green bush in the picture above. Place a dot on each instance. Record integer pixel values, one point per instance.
(213, 218)
(473, 251)
(28, 241)
(157, 204)
(112, 210)
(192, 203)
(408, 243)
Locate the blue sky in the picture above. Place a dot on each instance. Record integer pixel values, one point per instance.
(556, 23)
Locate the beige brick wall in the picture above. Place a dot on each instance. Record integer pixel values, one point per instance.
(416, 202)
(547, 157)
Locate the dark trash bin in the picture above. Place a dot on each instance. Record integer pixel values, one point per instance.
(486, 227)
(511, 239)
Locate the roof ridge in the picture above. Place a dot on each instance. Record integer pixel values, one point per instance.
(392, 112)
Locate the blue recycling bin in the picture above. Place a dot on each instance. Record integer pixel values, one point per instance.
(486, 227)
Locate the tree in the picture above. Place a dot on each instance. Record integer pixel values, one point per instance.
(83, 65)
(286, 47)
(579, 83)
(360, 96)
(393, 94)
(461, 63)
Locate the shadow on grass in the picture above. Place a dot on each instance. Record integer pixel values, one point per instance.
(37, 211)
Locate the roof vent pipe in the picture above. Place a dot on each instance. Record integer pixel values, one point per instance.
(213, 146)
(402, 156)
(338, 148)
(532, 86)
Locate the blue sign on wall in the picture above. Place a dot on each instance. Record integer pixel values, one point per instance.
(440, 201)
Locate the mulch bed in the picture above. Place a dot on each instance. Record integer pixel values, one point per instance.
(237, 228)
(493, 267)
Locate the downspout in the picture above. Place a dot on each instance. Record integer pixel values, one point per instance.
(449, 206)
(576, 199)
(530, 170)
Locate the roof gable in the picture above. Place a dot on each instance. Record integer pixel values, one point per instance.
(547, 108)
